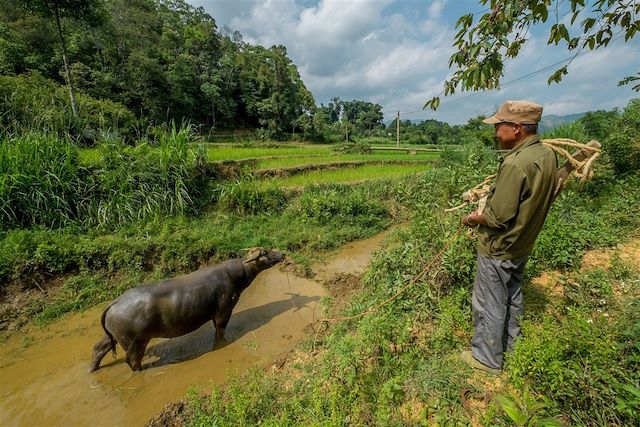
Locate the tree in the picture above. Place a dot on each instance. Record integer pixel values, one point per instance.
(364, 115)
(88, 10)
(599, 124)
(501, 33)
(623, 143)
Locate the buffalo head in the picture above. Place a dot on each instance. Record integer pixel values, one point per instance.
(263, 258)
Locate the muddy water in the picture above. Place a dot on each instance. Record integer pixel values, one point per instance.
(43, 371)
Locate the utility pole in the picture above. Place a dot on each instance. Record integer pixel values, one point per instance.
(398, 130)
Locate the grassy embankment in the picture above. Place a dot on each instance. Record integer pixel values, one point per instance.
(578, 361)
(79, 227)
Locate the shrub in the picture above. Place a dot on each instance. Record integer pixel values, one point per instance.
(351, 148)
(328, 204)
(573, 130)
(34, 103)
(623, 144)
(244, 196)
(578, 362)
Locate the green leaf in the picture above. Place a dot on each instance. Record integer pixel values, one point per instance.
(552, 33)
(465, 21)
(433, 103)
(564, 33)
(635, 391)
(625, 19)
(587, 24)
(574, 17)
(557, 76)
(631, 31)
(549, 422)
(512, 410)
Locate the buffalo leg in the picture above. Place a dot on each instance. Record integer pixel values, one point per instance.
(221, 324)
(99, 350)
(135, 354)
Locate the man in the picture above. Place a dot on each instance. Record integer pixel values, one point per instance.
(516, 208)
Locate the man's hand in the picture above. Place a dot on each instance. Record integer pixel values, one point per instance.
(473, 219)
(467, 220)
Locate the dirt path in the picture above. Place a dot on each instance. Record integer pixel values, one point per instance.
(43, 371)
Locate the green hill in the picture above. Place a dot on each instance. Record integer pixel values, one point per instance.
(551, 121)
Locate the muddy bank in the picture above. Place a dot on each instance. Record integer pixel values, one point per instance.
(44, 370)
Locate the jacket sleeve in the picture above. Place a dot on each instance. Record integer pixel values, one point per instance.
(504, 203)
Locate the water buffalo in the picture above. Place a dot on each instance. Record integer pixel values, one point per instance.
(177, 306)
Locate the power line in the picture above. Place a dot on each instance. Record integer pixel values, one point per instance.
(515, 81)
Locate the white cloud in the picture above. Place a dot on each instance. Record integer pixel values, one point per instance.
(435, 9)
(396, 53)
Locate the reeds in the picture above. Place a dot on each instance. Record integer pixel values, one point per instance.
(136, 183)
(39, 181)
(43, 184)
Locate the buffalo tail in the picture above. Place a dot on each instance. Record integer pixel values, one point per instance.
(102, 320)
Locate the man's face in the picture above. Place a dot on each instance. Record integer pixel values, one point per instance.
(507, 134)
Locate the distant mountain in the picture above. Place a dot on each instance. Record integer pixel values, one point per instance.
(551, 121)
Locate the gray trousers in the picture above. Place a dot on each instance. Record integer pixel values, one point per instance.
(497, 305)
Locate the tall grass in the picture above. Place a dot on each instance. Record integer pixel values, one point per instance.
(39, 180)
(134, 183)
(43, 184)
(573, 130)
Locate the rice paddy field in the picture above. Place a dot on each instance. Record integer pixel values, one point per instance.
(302, 165)
(345, 175)
(285, 162)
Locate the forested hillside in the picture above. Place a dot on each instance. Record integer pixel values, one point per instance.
(162, 60)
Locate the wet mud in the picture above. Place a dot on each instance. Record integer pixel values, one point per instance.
(43, 371)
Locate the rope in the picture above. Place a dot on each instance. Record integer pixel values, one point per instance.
(582, 169)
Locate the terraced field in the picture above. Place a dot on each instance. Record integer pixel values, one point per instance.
(350, 174)
(301, 165)
(309, 165)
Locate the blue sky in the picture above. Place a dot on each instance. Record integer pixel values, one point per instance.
(396, 53)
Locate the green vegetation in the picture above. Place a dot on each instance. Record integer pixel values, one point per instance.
(33, 102)
(345, 175)
(96, 262)
(45, 185)
(145, 64)
(162, 60)
(577, 362)
(103, 190)
(623, 144)
(130, 214)
(251, 152)
(288, 162)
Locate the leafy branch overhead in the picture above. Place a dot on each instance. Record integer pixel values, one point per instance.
(499, 34)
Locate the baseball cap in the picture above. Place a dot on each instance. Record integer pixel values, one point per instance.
(521, 112)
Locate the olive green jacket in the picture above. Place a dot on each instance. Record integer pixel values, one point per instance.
(518, 201)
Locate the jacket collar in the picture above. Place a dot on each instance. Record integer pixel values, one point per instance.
(530, 140)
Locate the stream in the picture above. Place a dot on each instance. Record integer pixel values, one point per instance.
(43, 370)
